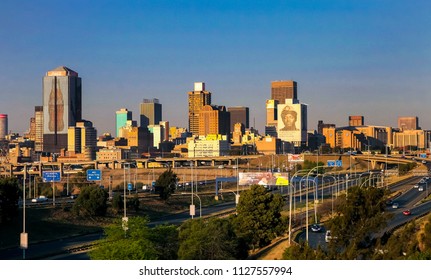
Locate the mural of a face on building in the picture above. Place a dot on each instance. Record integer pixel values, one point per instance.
(289, 117)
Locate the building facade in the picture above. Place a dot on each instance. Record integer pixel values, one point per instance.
(282, 90)
(3, 126)
(121, 118)
(214, 119)
(408, 123)
(239, 114)
(62, 106)
(197, 98)
(151, 112)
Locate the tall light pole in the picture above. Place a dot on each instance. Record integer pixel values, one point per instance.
(24, 235)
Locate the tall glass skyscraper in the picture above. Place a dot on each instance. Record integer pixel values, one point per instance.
(62, 106)
(151, 112)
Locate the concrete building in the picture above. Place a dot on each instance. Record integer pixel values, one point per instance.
(271, 117)
(82, 139)
(110, 154)
(210, 146)
(38, 117)
(408, 123)
(3, 126)
(151, 112)
(356, 120)
(282, 90)
(121, 118)
(197, 98)
(62, 106)
(239, 114)
(268, 145)
(214, 119)
(412, 139)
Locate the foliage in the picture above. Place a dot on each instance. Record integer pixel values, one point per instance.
(91, 201)
(9, 195)
(213, 239)
(404, 168)
(303, 251)
(359, 214)
(139, 242)
(412, 242)
(258, 219)
(166, 184)
(117, 202)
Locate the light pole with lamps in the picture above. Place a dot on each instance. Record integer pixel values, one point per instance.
(24, 235)
(200, 205)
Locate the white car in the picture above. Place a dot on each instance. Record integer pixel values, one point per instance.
(395, 205)
(41, 198)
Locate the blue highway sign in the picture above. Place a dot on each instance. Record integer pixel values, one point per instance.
(94, 175)
(51, 176)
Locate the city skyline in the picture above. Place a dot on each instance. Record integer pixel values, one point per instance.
(371, 57)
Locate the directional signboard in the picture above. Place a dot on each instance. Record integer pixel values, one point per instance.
(129, 186)
(334, 163)
(51, 176)
(94, 175)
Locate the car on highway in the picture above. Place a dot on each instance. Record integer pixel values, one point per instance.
(315, 228)
(41, 198)
(395, 205)
(407, 212)
(74, 196)
(421, 189)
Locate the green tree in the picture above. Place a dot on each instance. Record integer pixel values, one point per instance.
(134, 244)
(139, 242)
(258, 219)
(91, 201)
(166, 184)
(213, 239)
(9, 195)
(358, 216)
(303, 251)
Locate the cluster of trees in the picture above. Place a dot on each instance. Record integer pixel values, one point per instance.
(257, 222)
(9, 196)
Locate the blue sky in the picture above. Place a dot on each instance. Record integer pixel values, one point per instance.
(370, 58)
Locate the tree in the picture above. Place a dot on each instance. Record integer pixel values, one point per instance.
(9, 195)
(259, 218)
(91, 201)
(359, 215)
(139, 242)
(303, 251)
(213, 239)
(166, 184)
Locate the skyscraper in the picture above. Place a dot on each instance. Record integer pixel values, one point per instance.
(151, 112)
(82, 139)
(62, 106)
(214, 119)
(239, 114)
(38, 116)
(282, 90)
(121, 118)
(197, 99)
(3, 126)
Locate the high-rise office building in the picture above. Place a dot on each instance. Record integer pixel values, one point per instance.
(38, 118)
(408, 123)
(214, 119)
(282, 90)
(151, 112)
(62, 106)
(197, 98)
(82, 139)
(271, 117)
(121, 118)
(239, 114)
(3, 126)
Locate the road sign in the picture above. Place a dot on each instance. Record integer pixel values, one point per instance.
(51, 176)
(129, 186)
(423, 155)
(338, 163)
(331, 163)
(94, 175)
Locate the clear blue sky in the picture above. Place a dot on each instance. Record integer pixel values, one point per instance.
(362, 57)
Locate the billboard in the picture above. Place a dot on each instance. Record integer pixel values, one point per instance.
(292, 122)
(295, 157)
(263, 178)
